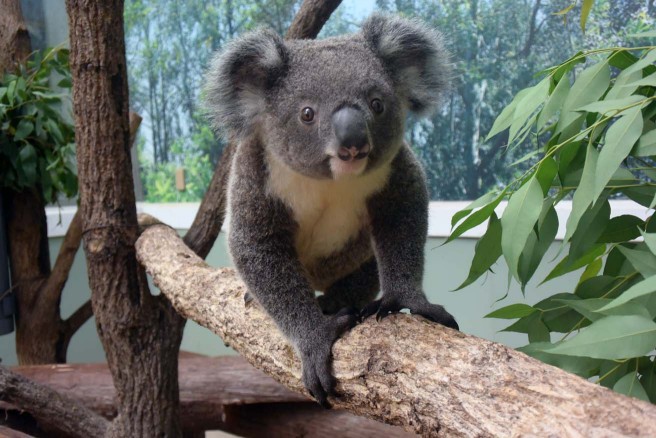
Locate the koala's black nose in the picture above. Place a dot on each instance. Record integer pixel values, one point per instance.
(350, 129)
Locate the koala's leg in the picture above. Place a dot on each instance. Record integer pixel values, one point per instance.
(399, 226)
(261, 242)
(357, 289)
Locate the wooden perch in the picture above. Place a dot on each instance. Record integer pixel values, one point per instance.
(403, 370)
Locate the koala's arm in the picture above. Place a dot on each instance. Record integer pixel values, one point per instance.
(262, 246)
(399, 225)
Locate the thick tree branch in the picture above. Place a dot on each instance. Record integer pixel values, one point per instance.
(71, 325)
(208, 221)
(310, 18)
(53, 287)
(403, 370)
(49, 407)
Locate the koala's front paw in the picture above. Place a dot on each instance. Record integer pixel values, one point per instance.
(316, 355)
(417, 305)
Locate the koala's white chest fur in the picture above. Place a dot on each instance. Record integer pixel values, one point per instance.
(329, 212)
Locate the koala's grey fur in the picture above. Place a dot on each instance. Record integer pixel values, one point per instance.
(301, 219)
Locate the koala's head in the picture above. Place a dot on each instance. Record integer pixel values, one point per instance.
(333, 107)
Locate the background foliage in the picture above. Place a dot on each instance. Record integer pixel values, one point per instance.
(498, 46)
(596, 134)
(36, 136)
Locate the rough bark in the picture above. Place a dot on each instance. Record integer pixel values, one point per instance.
(14, 37)
(310, 18)
(54, 411)
(223, 393)
(404, 370)
(140, 333)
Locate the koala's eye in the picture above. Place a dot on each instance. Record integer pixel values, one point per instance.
(307, 114)
(377, 105)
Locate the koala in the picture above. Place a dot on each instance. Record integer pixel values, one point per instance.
(324, 195)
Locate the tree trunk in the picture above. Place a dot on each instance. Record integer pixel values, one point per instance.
(140, 333)
(404, 370)
(14, 37)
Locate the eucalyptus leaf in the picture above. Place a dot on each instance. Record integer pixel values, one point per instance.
(583, 194)
(585, 367)
(619, 141)
(486, 253)
(568, 265)
(554, 103)
(483, 200)
(641, 289)
(518, 219)
(643, 261)
(23, 130)
(630, 385)
(646, 145)
(613, 337)
(476, 218)
(512, 311)
(621, 229)
(650, 241)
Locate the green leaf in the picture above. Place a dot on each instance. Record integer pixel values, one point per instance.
(485, 199)
(600, 286)
(476, 218)
(512, 311)
(643, 261)
(523, 325)
(612, 105)
(646, 146)
(554, 103)
(644, 288)
(650, 241)
(630, 385)
(583, 195)
(538, 332)
(620, 138)
(585, 237)
(582, 366)
(530, 102)
(621, 229)
(546, 173)
(505, 119)
(589, 87)
(486, 253)
(585, 11)
(592, 270)
(649, 81)
(614, 337)
(538, 243)
(522, 212)
(65, 83)
(591, 308)
(643, 194)
(28, 162)
(23, 130)
(567, 265)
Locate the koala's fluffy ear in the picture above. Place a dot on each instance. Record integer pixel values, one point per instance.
(240, 76)
(413, 55)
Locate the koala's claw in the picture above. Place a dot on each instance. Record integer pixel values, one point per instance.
(317, 357)
(248, 298)
(433, 312)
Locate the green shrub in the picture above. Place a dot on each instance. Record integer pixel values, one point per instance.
(36, 138)
(595, 140)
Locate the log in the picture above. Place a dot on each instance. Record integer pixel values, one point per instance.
(403, 370)
(224, 393)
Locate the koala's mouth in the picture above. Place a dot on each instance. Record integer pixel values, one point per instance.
(353, 153)
(351, 166)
